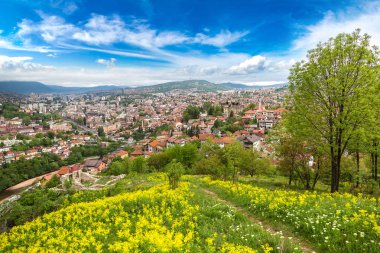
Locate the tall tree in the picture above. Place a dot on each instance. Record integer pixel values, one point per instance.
(332, 93)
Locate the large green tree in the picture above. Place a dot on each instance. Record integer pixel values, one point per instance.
(332, 93)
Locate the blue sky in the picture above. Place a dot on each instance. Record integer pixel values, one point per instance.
(139, 42)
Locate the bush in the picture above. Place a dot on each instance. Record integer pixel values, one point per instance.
(53, 182)
(174, 171)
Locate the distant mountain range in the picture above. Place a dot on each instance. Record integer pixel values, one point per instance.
(25, 87)
(244, 86)
(200, 85)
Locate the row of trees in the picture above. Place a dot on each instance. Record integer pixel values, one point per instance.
(192, 158)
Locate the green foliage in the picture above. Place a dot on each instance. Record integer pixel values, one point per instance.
(250, 164)
(161, 128)
(232, 125)
(22, 169)
(26, 121)
(33, 204)
(138, 135)
(191, 112)
(119, 166)
(79, 152)
(101, 132)
(22, 137)
(249, 107)
(53, 182)
(158, 161)
(212, 166)
(51, 135)
(38, 141)
(68, 185)
(333, 94)
(139, 165)
(174, 171)
(186, 155)
(11, 110)
(212, 110)
(235, 163)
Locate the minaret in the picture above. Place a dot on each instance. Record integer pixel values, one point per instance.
(260, 105)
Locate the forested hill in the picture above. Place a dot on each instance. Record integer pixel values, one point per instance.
(26, 87)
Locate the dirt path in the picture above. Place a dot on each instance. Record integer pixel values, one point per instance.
(304, 246)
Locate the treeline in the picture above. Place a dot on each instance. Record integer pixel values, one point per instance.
(206, 159)
(193, 112)
(10, 110)
(23, 169)
(45, 140)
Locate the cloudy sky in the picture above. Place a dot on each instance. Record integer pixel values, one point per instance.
(140, 42)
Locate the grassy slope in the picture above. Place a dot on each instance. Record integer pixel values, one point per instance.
(332, 223)
(216, 228)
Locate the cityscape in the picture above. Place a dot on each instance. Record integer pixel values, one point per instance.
(189, 126)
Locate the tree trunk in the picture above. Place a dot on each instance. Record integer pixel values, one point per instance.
(316, 177)
(290, 178)
(307, 185)
(375, 166)
(307, 178)
(357, 167)
(334, 170)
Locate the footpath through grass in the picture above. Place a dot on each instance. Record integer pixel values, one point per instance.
(331, 222)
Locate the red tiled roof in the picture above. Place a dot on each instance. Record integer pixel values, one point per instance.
(121, 153)
(204, 137)
(48, 177)
(74, 168)
(64, 170)
(154, 143)
(137, 152)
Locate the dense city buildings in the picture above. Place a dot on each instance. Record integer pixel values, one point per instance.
(146, 122)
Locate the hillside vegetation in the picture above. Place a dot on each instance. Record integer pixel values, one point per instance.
(156, 218)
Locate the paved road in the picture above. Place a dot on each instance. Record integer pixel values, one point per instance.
(18, 188)
(81, 127)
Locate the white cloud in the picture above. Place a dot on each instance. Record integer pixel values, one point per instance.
(108, 63)
(222, 39)
(100, 30)
(213, 69)
(251, 65)
(50, 28)
(265, 82)
(103, 30)
(26, 47)
(367, 19)
(70, 8)
(259, 63)
(111, 51)
(20, 64)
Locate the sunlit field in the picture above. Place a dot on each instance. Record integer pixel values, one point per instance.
(155, 219)
(332, 222)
